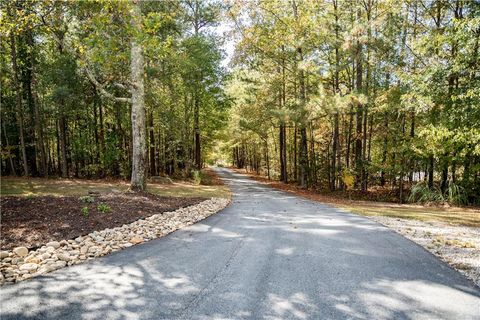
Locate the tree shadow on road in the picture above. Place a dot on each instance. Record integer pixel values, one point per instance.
(272, 256)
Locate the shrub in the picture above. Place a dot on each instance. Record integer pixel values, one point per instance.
(87, 199)
(456, 194)
(104, 208)
(85, 211)
(422, 193)
(348, 179)
(197, 176)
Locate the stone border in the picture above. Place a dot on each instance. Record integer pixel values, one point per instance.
(21, 264)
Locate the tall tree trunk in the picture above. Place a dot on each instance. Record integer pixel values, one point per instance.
(359, 114)
(282, 149)
(39, 140)
(295, 153)
(384, 152)
(358, 148)
(18, 102)
(370, 133)
(431, 163)
(336, 86)
(62, 133)
(349, 138)
(364, 148)
(444, 182)
(303, 158)
(334, 152)
(196, 124)
(153, 170)
(10, 158)
(95, 129)
(412, 135)
(102, 134)
(267, 158)
(283, 132)
(304, 170)
(402, 163)
(139, 150)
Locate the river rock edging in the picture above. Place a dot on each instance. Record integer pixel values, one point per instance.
(21, 264)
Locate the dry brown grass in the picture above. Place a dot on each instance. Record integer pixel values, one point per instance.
(30, 187)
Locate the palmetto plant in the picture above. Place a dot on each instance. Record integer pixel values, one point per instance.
(455, 194)
(421, 193)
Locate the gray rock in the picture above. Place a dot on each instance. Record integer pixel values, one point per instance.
(29, 267)
(53, 244)
(93, 249)
(63, 256)
(20, 251)
(45, 256)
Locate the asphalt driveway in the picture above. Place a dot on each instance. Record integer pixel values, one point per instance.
(269, 255)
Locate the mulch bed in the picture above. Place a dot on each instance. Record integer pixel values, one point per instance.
(32, 222)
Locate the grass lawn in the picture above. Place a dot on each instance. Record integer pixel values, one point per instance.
(17, 186)
(454, 215)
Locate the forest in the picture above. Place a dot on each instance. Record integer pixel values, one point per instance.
(332, 95)
(110, 88)
(360, 95)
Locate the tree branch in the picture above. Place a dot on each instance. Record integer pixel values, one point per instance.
(101, 89)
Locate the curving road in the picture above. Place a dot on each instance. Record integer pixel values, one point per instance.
(269, 255)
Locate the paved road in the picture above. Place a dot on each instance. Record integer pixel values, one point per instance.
(270, 255)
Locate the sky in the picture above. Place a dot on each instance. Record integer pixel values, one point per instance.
(224, 30)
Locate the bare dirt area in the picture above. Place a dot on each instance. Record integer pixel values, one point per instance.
(33, 221)
(459, 246)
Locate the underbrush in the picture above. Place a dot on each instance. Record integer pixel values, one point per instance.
(422, 193)
(205, 177)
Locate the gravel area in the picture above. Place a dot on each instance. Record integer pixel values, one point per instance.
(457, 245)
(21, 263)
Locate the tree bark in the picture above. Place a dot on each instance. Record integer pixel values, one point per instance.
(267, 158)
(198, 150)
(95, 128)
(39, 140)
(303, 130)
(62, 133)
(349, 138)
(10, 158)
(334, 152)
(430, 171)
(153, 170)
(444, 182)
(336, 86)
(18, 103)
(138, 106)
(102, 133)
(283, 168)
(359, 117)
